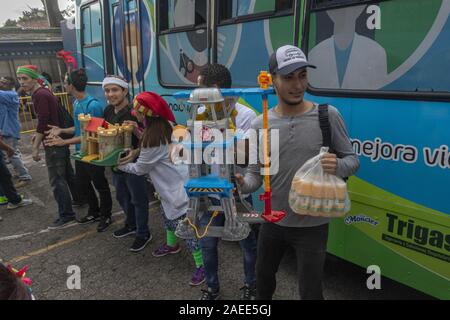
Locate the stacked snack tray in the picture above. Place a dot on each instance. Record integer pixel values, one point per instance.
(317, 192)
(304, 194)
(329, 194)
(318, 198)
(292, 192)
(341, 198)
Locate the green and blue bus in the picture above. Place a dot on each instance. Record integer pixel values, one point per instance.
(384, 64)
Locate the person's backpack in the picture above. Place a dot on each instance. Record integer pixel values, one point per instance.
(65, 120)
(86, 111)
(325, 127)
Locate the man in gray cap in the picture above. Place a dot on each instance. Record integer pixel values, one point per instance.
(300, 139)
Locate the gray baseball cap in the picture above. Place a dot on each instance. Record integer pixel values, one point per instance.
(287, 59)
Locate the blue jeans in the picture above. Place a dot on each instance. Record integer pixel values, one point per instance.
(6, 186)
(210, 253)
(16, 159)
(132, 195)
(61, 177)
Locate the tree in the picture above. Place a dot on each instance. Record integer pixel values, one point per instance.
(50, 15)
(10, 23)
(54, 15)
(70, 10)
(35, 17)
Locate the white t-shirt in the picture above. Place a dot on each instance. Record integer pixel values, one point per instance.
(244, 117)
(244, 120)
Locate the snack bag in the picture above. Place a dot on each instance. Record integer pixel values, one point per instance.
(316, 193)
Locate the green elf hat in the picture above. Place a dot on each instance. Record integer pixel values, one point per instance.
(32, 72)
(29, 70)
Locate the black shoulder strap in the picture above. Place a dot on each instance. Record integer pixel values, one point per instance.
(325, 126)
(89, 103)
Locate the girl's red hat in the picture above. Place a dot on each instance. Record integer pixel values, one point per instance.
(153, 105)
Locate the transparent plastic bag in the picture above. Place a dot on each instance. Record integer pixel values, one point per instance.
(316, 193)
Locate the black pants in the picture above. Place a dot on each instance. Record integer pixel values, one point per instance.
(86, 175)
(61, 178)
(310, 248)
(6, 186)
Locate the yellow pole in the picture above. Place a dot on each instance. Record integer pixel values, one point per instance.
(265, 80)
(266, 144)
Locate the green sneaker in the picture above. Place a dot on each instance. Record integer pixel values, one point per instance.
(3, 201)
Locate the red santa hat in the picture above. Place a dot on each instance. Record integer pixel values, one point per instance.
(153, 105)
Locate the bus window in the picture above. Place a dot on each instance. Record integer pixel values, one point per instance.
(176, 13)
(239, 8)
(248, 33)
(92, 42)
(87, 37)
(182, 41)
(326, 4)
(282, 5)
(96, 23)
(395, 45)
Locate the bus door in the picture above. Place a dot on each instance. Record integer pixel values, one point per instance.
(131, 32)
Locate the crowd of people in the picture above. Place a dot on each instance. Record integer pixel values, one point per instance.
(149, 159)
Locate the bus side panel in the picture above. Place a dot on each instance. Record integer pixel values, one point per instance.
(400, 217)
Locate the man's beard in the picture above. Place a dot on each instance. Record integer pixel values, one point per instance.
(119, 103)
(292, 103)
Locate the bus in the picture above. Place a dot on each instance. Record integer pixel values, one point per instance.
(384, 64)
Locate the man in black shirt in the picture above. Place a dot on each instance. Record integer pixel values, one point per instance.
(131, 190)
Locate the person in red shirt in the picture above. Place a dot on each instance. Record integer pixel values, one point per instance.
(60, 171)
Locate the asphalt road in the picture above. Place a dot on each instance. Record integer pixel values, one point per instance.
(110, 271)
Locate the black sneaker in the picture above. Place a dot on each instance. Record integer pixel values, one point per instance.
(60, 223)
(122, 233)
(90, 218)
(210, 294)
(248, 292)
(140, 243)
(103, 224)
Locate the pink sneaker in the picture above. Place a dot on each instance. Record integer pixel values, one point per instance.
(164, 250)
(199, 277)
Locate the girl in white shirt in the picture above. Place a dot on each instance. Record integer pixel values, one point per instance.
(154, 160)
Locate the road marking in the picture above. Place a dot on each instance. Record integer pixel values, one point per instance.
(51, 247)
(71, 225)
(18, 236)
(61, 243)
